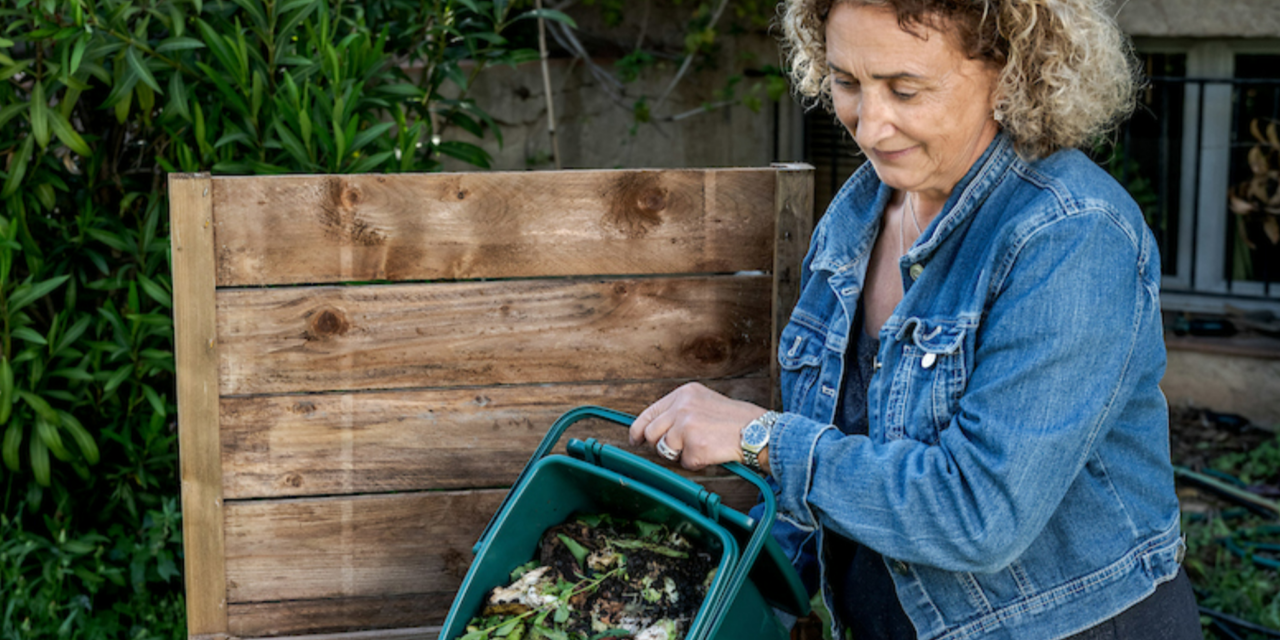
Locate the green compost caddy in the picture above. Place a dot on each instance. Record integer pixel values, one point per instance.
(753, 578)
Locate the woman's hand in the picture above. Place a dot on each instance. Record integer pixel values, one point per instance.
(702, 425)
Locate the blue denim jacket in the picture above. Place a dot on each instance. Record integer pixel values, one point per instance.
(1016, 477)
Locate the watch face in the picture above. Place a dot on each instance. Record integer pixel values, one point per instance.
(755, 435)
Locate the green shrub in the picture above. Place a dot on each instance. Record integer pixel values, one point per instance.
(98, 100)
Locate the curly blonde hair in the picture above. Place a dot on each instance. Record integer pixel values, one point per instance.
(1067, 72)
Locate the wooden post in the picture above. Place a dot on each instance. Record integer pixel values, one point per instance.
(793, 217)
(195, 332)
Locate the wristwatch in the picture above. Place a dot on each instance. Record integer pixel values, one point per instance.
(755, 437)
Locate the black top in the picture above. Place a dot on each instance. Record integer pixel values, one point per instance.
(865, 600)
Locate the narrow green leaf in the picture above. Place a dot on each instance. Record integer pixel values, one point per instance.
(12, 111)
(369, 135)
(68, 135)
(254, 9)
(77, 54)
(155, 291)
(40, 461)
(294, 5)
(157, 403)
(179, 44)
(88, 448)
(71, 334)
(340, 142)
(28, 334)
(28, 293)
(12, 440)
(178, 97)
(118, 378)
(6, 389)
(144, 74)
(40, 405)
(465, 152)
(292, 145)
(371, 162)
(232, 137)
(218, 46)
(48, 432)
(79, 375)
(14, 69)
(18, 169)
(401, 89)
(39, 115)
(110, 239)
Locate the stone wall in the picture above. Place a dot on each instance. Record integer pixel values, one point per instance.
(595, 128)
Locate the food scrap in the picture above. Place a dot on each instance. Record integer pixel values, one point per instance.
(599, 577)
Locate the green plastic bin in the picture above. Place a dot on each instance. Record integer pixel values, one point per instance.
(753, 578)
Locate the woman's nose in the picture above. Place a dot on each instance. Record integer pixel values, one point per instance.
(874, 122)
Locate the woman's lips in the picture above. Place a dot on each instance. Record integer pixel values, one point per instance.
(891, 156)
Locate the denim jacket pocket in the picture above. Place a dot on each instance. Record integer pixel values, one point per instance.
(800, 352)
(929, 377)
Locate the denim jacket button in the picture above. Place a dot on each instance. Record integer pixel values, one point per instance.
(915, 271)
(928, 360)
(900, 567)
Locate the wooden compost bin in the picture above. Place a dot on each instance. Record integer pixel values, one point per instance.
(365, 362)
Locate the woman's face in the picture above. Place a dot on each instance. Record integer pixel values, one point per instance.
(918, 107)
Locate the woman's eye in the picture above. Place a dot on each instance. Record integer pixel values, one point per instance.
(903, 95)
(846, 83)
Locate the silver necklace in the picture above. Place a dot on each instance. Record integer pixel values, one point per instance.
(912, 203)
(911, 208)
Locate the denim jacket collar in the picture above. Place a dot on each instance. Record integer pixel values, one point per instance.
(849, 259)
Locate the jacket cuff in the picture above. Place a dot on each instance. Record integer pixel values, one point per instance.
(791, 449)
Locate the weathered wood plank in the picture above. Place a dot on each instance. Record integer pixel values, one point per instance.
(413, 633)
(367, 547)
(794, 224)
(333, 619)
(190, 212)
(328, 444)
(324, 229)
(314, 339)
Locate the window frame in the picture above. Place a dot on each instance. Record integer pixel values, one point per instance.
(1202, 218)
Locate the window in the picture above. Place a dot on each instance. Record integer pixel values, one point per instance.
(1208, 109)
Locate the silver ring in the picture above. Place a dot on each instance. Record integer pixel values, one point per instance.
(665, 450)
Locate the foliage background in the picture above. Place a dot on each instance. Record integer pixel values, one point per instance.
(99, 99)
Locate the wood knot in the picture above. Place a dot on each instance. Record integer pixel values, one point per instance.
(294, 480)
(463, 193)
(708, 350)
(635, 202)
(339, 214)
(305, 406)
(327, 323)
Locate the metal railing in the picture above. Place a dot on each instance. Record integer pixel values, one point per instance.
(1186, 149)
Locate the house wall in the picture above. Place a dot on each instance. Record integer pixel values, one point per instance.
(1199, 18)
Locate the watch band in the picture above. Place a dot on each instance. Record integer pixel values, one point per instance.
(753, 441)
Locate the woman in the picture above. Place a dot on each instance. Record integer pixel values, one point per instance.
(972, 434)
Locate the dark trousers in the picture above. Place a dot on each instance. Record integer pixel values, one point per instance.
(1168, 614)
